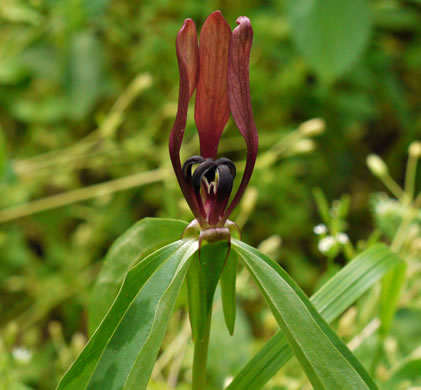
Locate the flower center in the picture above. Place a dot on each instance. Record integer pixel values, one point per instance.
(212, 181)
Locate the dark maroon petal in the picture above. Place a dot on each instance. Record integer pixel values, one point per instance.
(202, 170)
(239, 98)
(188, 54)
(188, 64)
(212, 108)
(188, 165)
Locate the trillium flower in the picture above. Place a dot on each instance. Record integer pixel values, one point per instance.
(218, 69)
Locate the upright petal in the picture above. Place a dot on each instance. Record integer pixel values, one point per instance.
(239, 98)
(188, 54)
(188, 64)
(212, 107)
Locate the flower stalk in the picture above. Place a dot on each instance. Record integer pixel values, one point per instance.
(200, 357)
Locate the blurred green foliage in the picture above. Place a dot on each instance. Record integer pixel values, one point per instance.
(88, 94)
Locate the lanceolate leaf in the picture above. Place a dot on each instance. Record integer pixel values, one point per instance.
(326, 360)
(196, 295)
(140, 240)
(121, 353)
(202, 279)
(212, 261)
(331, 300)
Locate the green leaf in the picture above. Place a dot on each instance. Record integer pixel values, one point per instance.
(331, 34)
(228, 279)
(202, 279)
(311, 339)
(196, 296)
(392, 286)
(212, 261)
(408, 372)
(121, 353)
(331, 300)
(140, 240)
(85, 73)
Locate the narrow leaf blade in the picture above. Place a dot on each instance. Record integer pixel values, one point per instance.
(140, 240)
(228, 279)
(134, 326)
(212, 260)
(196, 296)
(202, 279)
(331, 300)
(326, 360)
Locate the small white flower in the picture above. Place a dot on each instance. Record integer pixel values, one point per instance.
(22, 355)
(326, 243)
(320, 229)
(342, 238)
(388, 206)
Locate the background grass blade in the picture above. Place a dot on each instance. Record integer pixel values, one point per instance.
(331, 300)
(140, 240)
(326, 360)
(392, 286)
(407, 373)
(134, 326)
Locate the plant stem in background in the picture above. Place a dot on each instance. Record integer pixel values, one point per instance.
(84, 193)
(411, 171)
(200, 358)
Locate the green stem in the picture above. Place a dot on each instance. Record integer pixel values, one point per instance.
(402, 230)
(410, 177)
(330, 264)
(200, 358)
(393, 187)
(81, 194)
